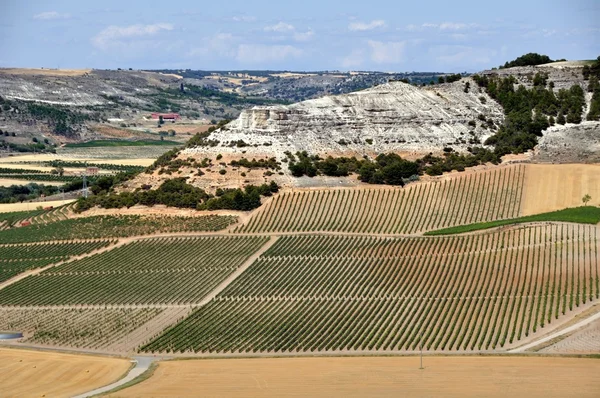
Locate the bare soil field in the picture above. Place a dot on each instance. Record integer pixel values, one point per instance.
(7, 182)
(157, 209)
(45, 72)
(46, 374)
(8, 207)
(374, 377)
(555, 187)
(142, 161)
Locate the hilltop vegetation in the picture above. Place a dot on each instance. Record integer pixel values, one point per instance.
(530, 59)
(529, 112)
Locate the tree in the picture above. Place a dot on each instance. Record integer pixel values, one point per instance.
(441, 80)
(58, 170)
(586, 199)
(593, 84)
(529, 59)
(561, 118)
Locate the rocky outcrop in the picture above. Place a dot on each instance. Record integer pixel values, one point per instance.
(390, 117)
(572, 143)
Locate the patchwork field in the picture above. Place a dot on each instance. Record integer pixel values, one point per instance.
(321, 293)
(373, 377)
(153, 271)
(38, 374)
(336, 271)
(15, 259)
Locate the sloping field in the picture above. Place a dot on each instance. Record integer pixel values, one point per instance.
(11, 207)
(374, 377)
(45, 72)
(80, 328)
(152, 271)
(550, 187)
(324, 293)
(476, 197)
(15, 259)
(105, 226)
(39, 374)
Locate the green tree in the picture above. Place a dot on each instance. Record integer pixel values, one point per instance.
(586, 199)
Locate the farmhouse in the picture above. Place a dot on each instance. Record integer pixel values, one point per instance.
(166, 116)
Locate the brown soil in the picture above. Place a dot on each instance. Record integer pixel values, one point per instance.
(45, 72)
(374, 377)
(555, 187)
(8, 207)
(46, 374)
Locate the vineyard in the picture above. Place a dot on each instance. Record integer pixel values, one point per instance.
(149, 271)
(477, 197)
(80, 328)
(15, 259)
(328, 293)
(113, 227)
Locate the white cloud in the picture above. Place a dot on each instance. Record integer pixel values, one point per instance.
(219, 45)
(459, 56)
(354, 59)
(448, 26)
(362, 26)
(281, 27)
(304, 36)
(50, 15)
(391, 52)
(262, 54)
(243, 18)
(443, 27)
(114, 36)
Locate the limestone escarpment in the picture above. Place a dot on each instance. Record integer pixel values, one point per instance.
(389, 117)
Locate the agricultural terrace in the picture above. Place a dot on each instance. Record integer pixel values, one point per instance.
(148, 271)
(15, 258)
(114, 226)
(79, 328)
(338, 294)
(476, 197)
(50, 374)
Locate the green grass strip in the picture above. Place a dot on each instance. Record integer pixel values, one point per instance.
(582, 215)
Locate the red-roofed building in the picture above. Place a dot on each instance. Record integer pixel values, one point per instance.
(166, 116)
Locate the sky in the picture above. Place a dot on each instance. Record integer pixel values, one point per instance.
(306, 35)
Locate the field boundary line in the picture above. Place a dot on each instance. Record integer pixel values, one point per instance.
(233, 276)
(554, 335)
(37, 271)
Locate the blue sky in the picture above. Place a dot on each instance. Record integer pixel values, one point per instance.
(450, 36)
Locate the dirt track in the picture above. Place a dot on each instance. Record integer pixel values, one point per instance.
(37, 373)
(374, 377)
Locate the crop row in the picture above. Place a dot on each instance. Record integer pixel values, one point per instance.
(476, 197)
(486, 292)
(176, 271)
(8, 269)
(53, 249)
(114, 226)
(80, 328)
(39, 177)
